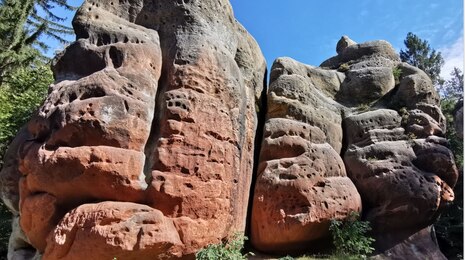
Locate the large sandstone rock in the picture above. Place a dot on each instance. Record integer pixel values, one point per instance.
(145, 145)
(301, 182)
(395, 143)
(153, 108)
(389, 132)
(113, 229)
(368, 54)
(343, 43)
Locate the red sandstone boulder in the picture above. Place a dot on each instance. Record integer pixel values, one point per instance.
(398, 159)
(389, 134)
(144, 147)
(113, 229)
(301, 183)
(153, 109)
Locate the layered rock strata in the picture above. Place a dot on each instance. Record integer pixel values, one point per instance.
(364, 113)
(301, 183)
(144, 146)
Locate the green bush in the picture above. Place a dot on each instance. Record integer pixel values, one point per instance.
(350, 237)
(449, 227)
(397, 72)
(230, 250)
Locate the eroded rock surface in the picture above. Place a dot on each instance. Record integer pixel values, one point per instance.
(363, 113)
(153, 109)
(144, 147)
(301, 182)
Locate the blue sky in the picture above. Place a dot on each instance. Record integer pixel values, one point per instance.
(308, 30)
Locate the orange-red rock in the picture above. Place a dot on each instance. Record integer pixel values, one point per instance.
(145, 145)
(111, 230)
(301, 183)
(153, 109)
(388, 133)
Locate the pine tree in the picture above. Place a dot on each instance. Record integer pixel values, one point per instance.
(15, 43)
(50, 24)
(420, 54)
(453, 88)
(21, 27)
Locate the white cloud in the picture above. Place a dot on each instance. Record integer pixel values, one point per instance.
(453, 57)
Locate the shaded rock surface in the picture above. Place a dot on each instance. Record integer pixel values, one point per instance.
(421, 245)
(153, 109)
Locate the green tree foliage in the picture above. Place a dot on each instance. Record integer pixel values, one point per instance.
(48, 24)
(21, 27)
(350, 237)
(20, 96)
(452, 89)
(24, 72)
(420, 54)
(15, 44)
(449, 227)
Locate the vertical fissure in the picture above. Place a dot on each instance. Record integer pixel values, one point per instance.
(155, 129)
(261, 118)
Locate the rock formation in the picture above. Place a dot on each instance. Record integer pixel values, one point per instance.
(145, 145)
(301, 183)
(381, 118)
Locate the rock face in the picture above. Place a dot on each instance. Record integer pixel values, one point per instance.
(301, 182)
(343, 43)
(145, 145)
(153, 109)
(424, 244)
(363, 113)
(397, 145)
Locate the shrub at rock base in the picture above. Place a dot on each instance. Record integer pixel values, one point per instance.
(350, 237)
(230, 250)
